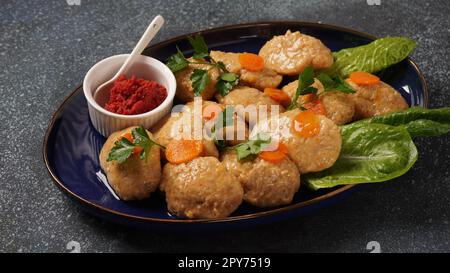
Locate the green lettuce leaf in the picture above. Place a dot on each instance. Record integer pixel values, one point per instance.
(370, 153)
(426, 127)
(417, 120)
(372, 57)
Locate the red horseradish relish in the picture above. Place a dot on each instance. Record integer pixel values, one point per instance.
(135, 96)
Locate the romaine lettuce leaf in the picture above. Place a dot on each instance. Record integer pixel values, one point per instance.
(418, 121)
(370, 153)
(372, 57)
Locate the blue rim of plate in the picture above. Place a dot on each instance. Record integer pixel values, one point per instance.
(249, 216)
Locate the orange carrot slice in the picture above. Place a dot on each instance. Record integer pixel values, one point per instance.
(306, 124)
(278, 95)
(251, 62)
(212, 111)
(182, 151)
(363, 78)
(274, 156)
(313, 103)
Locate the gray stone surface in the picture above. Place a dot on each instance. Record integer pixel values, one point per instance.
(47, 46)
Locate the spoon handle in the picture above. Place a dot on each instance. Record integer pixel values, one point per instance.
(148, 35)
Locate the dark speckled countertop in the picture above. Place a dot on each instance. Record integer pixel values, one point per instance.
(46, 47)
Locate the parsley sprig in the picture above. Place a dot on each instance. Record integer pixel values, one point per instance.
(200, 78)
(224, 119)
(177, 62)
(226, 82)
(123, 148)
(334, 84)
(250, 149)
(306, 79)
(199, 45)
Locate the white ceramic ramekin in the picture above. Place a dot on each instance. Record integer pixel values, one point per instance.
(145, 67)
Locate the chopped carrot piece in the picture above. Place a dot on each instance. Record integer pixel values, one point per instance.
(182, 151)
(275, 156)
(363, 78)
(313, 103)
(251, 62)
(129, 136)
(137, 150)
(211, 112)
(278, 95)
(306, 124)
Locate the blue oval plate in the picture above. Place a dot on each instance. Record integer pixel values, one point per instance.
(72, 145)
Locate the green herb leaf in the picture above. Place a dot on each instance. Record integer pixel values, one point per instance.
(344, 87)
(223, 87)
(122, 150)
(294, 105)
(372, 57)
(200, 80)
(222, 66)
(308, 90)
(229, 77)
(334, 84)
(200, 48)
(244, 153)
(226, 83)
(220, 143)
(250, 149)
(327, 81)
(177, 61)
(370, 153)
(141, 138)
(305, 79)
(225, 119)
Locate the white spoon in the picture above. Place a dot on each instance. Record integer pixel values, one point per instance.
(101, 95)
